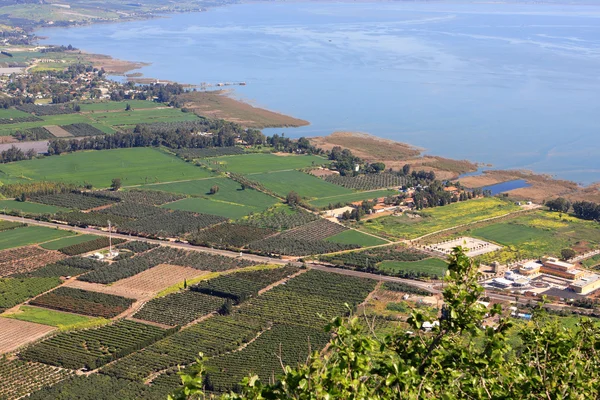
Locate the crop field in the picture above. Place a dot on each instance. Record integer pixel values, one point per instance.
(289, 246)
(18, 378)
(133, 166)
(13, 113)
(351, 236)
(45, 317)
(79, 201)
(316, 230)
(212, 336)
(102, 116)
(92, 348)
(431, 220)
(119, 105)
(214, 207)
(179, 308)
(68, 241)
(280, 218)
(294, 343)
(429, 266)
(368, 181)
(7, 225)
(28, 208)
(89, 246)
(16, 290)
(15, 333)
(256, 163)
(305, 185)
(536, 234)
(155, 279)
(243, 285)
(83, 302)
(323, 202)
(162, 255)
(29, 235)
(297, 303)
(230, 236)
(26, 259)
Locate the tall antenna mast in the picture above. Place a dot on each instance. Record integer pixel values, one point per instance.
(109, 238)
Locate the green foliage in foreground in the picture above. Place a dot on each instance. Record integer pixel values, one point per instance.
(458, 359)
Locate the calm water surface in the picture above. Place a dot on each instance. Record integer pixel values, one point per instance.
(512, 85)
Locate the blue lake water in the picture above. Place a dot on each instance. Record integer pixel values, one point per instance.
(507, 84)
(506, 186)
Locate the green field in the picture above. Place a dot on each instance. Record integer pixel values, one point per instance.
(46, 317)
(142, 116)
(538, 234)
(229, 191)
(431, 220)
(305, 185)
(12, 113)
(256, 163)
(143, 112)
(433, 266)
(351, 197)
(29, 208)
(68, 241)
(134, 166)
(29, 235)
(223, 209)
(120, 105)
(355, 237)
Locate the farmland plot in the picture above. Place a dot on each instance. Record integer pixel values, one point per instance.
(317, 230)
(179, 308)
(91, 348)
(84, 302)
(15, 333)
(157, 278)
(14, 291)
(29, 235)
(26, 259)
(307, 186)
(253, 163)
(18, 378)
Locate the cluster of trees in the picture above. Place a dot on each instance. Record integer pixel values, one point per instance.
(344, 161)
(57, 49)
(559, 204)
(173, 136)
(287, 145)
(587, 210)
(16, 154)
(458, 359)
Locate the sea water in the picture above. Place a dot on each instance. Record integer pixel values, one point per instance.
(514, 85)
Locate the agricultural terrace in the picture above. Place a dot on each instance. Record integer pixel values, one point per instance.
(29, 235)
(435, 219)
(307, 186)
(133, 166)
(537, 234)
(46, 317)
(259, 162)
(26, 207)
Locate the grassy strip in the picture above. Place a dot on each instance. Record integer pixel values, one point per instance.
(45, 316)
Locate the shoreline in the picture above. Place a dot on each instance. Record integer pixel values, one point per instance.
(450, 169)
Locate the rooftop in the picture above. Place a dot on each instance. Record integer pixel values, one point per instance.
(586, 280)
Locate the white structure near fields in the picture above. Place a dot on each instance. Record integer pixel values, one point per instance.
(475, 247)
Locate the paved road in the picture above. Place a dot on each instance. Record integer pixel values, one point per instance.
(250, 257)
